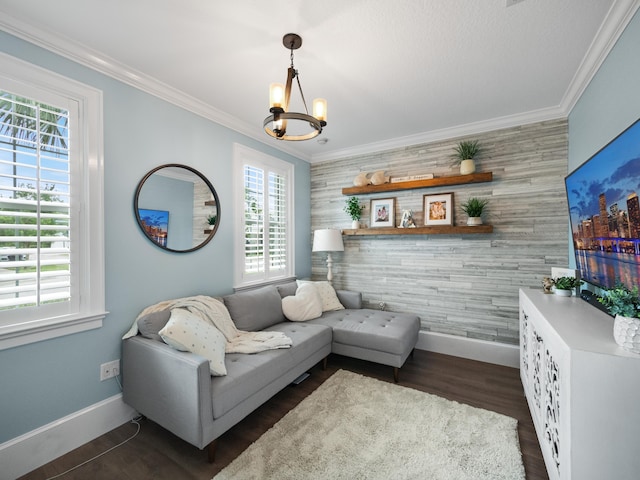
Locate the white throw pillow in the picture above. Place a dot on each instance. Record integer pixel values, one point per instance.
(304, 305)
(188, 333)
(327, 295)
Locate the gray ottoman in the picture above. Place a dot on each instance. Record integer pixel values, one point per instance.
(374, 335)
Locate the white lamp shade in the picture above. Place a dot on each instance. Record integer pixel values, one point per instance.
(327, 240)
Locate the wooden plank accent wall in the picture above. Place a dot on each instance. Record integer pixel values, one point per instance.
(463, 285)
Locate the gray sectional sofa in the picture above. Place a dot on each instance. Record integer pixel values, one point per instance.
(176, 389)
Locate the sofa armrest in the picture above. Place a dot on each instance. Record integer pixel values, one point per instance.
(350, 299)
(170, 387)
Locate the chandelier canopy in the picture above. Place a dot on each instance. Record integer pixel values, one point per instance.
(293, 126)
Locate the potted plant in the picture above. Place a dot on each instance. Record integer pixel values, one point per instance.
(623, 303)
(564, 285)
(465, 154)
(211, 220)
(354, 209)
(474, 208)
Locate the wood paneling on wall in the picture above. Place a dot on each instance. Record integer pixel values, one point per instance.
(458, 284)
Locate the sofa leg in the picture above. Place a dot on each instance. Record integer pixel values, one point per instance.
(396, 374)
(324, 363)
(211, 450)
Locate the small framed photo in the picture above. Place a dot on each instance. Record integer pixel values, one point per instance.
(383, 212)
(438, 209)
(407, 219)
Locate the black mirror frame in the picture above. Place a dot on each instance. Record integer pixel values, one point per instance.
(204, 179)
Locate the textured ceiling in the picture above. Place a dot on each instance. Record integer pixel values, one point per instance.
(393, 73)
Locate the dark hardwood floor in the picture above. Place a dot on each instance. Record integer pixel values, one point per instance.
(157, 454)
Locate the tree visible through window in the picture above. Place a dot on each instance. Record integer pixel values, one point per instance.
(34, 203)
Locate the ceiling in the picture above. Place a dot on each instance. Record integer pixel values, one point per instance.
(394, 73)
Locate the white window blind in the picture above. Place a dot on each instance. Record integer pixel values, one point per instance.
(34, 203)
(266, 231)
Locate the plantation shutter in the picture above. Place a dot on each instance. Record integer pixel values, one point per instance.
(35, 179)
(277, 223)
(265, 220)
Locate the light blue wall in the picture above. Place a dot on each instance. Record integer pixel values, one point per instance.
(609, 104)
(44, 381)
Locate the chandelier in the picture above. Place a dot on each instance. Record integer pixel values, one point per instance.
(301, 126)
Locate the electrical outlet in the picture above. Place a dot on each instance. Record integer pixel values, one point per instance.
(109, 369)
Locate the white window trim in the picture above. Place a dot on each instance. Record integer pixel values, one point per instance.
(242, 154)
(17, 73)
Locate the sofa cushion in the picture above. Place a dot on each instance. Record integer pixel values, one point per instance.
(287, 289)
(188, 333)
(390, 332)
(253, 310)
(304, 305)
(248, 374)
(149, 325)
(327, 295)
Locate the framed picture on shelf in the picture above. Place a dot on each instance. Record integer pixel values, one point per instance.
(383, 212)
(438, 209)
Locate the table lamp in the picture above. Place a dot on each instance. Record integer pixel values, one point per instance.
(328, 240)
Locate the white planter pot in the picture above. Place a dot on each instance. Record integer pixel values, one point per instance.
(467, 166)
(474, 221)
(355, 224)
(563, 293)
(626, 333)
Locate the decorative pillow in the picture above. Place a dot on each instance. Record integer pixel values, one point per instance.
(151, 324)
(304, 305)
(286, 289)
(253, 310)
(327, 295)
(188, 333)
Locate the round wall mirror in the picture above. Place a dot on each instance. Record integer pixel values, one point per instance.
(177, 208)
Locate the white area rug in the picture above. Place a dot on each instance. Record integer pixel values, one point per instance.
(355, 427)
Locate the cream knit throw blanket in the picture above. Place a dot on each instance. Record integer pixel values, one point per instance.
(214, 312)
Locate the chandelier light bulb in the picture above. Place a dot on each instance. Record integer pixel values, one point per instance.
(276, 95)
(320, 109)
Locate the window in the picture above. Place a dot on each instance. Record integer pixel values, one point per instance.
(264, 203)
(51, 205)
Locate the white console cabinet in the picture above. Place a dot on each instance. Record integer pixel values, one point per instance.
(583, 390)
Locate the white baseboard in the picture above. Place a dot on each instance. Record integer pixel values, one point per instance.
(27, 452)
(481, 350)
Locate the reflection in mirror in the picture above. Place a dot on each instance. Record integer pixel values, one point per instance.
(177, 208)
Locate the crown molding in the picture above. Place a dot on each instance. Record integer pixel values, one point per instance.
(97, 61)
(616, 21)
(474, 128)
(618, 17)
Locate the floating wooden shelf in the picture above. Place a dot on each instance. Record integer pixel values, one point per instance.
(434, 230)
(432, 182)
(210, 203)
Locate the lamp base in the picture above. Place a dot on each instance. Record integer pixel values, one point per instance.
(329, 265)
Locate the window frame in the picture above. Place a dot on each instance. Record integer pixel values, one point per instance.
(30, 81)
(243, 155)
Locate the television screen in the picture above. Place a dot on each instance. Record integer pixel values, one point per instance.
(605, 212)
(156, 224)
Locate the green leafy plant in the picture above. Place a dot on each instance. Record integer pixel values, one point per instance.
(212, 219)
(466, 150)
(474, 206)
(566, 283)
(620, 300)
(353, 208)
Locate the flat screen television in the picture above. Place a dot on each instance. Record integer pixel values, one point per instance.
(604, 209)
(156, 224)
